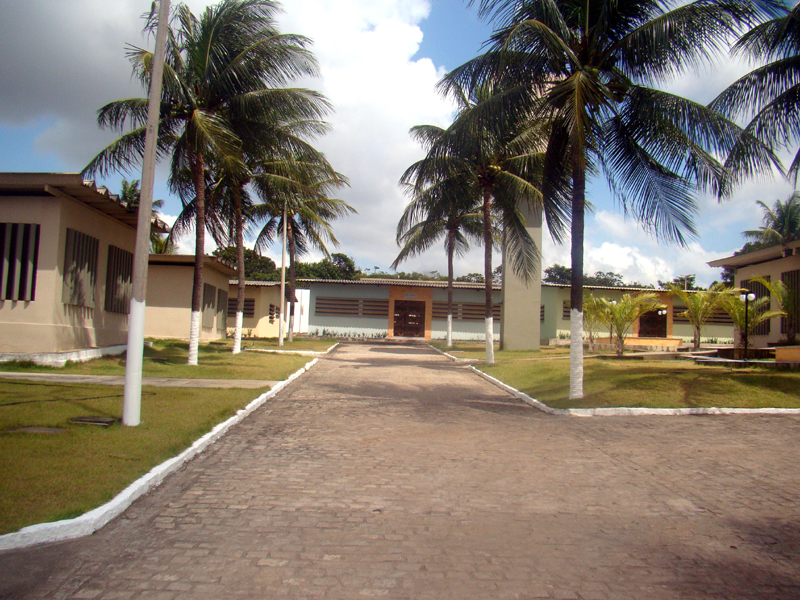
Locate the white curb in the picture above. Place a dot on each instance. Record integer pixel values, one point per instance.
(93, 520)
(300, 352)
(624, 411)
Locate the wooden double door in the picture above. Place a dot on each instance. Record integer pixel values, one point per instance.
(409, 318)
(653, 325)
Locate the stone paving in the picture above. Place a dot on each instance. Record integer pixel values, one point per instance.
(390, 472)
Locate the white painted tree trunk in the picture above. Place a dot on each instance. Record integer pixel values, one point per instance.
(132, 411)
(489, 340)
(291, 324)
(194, 337)
(237, 333)
(449, 331)
(576, 354)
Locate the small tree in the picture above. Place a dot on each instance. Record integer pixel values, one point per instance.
(758, 311)
(593, 316)
(787, 303)
(700, 306)
(619, 316)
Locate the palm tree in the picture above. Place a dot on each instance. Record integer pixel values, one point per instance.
(593, 313)
(747, 316)
(130, 195)
(448, 209)
(781, 223)
(787, 302)
(700, 306)
(219, 68)
(299, 191)
(770, 94)
(588, 67)
(620, 315)
(268, 143)
(502, 165)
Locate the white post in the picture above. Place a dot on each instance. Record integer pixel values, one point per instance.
(281, 328)
(132, 402)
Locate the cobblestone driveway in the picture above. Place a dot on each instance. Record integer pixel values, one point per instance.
(390, 472)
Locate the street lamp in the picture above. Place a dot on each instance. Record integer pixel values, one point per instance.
(746, 298)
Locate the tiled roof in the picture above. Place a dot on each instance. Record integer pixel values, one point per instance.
(73, 186)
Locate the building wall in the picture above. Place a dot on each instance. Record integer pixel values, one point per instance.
(347, 326)
(259, 324)
(553, 299)
(46, 324)
(465, 330)
(383, 325)
(522, 299)
(773, 270)
(169, 302)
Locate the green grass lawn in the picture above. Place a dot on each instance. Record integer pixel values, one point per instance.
(47, 477)
(167, 358)
(646, 383)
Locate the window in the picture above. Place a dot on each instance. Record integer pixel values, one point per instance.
(209, 296)
(19, 257)
(351, 307)
(80, 269)
(119, 280)
(249, 307)
(466, 311)
(541, 313)
(274, 312)
(761, 291)
(718, 317)
(222, 304)
(791, 280)
(565, 310)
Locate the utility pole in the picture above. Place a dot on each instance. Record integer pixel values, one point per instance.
(281, 328)
(132, 402)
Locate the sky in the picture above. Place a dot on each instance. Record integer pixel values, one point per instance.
(380, 61)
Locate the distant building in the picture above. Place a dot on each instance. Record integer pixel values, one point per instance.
(169, 297)
(397, 309)
(778, 263)
(418, 309)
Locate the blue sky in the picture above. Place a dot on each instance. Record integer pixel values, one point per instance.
(380, 61)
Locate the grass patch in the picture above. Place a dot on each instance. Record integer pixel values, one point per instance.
(477, 351)
(647, 383)
(167, 358)
(47, 477)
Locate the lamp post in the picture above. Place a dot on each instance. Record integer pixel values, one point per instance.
(746, 298)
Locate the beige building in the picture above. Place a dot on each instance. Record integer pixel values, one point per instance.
(778, 263)
(169, 297)
(66, 256)
(262, 307)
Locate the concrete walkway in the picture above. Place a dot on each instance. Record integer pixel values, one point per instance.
(252, 384)
(390, 472)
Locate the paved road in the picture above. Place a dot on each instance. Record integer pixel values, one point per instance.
(389, 472)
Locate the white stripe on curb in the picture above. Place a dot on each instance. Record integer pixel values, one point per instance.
(300, 352)
(93, 520)
(623, 411)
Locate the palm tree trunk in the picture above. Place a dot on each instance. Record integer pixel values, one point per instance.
(292, 249)
(696, 337)
(240, 288)
(576, 291)
(198, 177)
(487, 270)
(451, 244)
